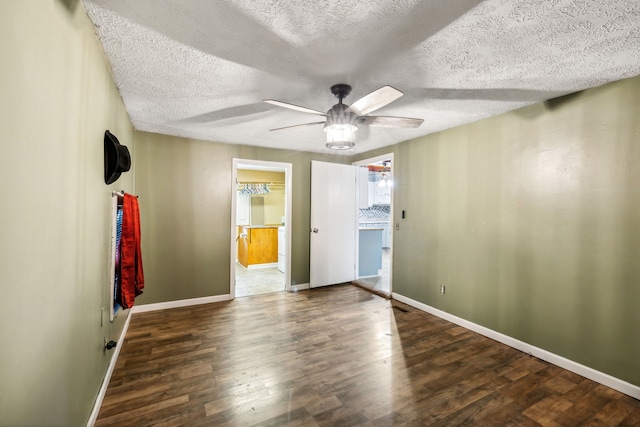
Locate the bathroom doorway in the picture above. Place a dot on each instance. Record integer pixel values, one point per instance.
(261, 210)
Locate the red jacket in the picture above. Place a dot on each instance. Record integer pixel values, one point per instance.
(131, 275)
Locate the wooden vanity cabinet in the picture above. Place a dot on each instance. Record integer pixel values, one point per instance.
(257, 245)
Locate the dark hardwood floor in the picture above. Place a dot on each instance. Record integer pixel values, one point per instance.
(338, 356)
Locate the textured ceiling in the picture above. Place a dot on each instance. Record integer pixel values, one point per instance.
(200, 68)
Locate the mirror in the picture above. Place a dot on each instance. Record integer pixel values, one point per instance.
(257, 211)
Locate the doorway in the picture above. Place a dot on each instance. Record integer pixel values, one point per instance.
(375, 219)
(260, 227)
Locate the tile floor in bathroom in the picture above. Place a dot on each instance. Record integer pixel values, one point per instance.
(254, 281)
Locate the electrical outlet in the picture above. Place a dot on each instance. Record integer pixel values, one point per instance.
(442, 289)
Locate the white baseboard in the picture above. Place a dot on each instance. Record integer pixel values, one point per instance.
(179, 303)
(299, 287)
(107, 377)
(587, 372)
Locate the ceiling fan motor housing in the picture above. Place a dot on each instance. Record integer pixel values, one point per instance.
(338, 115)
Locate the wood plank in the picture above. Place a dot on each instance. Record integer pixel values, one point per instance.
(339, 356)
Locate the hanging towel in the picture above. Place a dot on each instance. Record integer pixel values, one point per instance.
(116, 279)
(131, 275)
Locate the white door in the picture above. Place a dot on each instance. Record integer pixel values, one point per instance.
(333, 224)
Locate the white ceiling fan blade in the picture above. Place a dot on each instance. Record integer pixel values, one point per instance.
(376, 99)
(298, 126)
(293, 107)
(390, 122)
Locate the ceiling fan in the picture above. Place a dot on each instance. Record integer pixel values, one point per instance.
(342, 121)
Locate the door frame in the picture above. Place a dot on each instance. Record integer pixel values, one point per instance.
(287, 168)
(377, 159)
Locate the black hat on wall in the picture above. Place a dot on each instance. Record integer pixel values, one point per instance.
(116, 158)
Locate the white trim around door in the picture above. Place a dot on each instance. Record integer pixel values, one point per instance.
(287, 168)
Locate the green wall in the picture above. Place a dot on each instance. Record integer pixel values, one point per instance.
(57, 100)
(531, 220)
(185, 207)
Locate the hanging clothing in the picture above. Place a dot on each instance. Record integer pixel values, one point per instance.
(116, 279)
(131, 274)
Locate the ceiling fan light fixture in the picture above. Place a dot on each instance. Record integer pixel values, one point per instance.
(342, 121)
(340, 128)
(341, 136)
